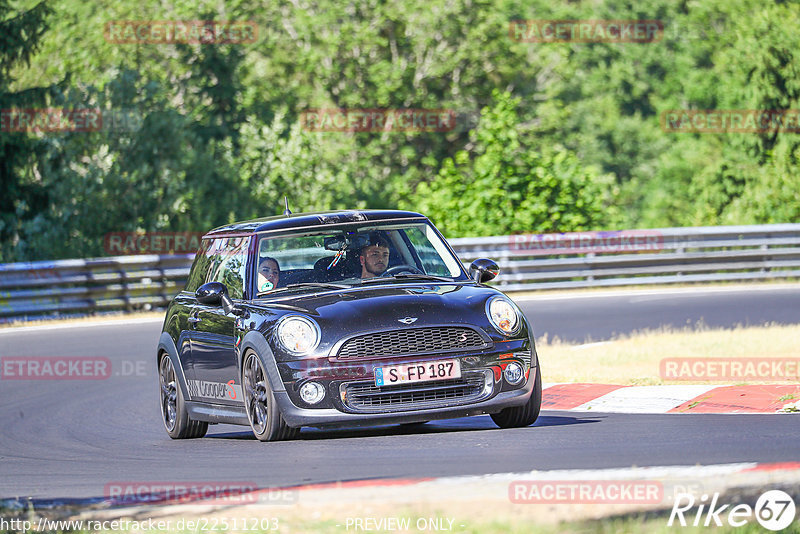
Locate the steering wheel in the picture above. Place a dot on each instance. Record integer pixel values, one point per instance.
(397, 269)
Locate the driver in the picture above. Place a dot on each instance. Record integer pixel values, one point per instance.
(374, 257)
(268, 274)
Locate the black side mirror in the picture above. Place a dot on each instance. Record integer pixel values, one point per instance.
(216, 294)
(482, 270)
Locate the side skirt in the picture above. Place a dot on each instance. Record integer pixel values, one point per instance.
(217, 413)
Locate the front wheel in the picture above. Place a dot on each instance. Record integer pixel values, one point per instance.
(262, 410)
(173, 410)
(524, 415)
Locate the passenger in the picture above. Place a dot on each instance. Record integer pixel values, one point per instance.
(268, 273)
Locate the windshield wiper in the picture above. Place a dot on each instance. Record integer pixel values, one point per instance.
(424, 277)
(325, 285)
(377, 279)
(403, 276)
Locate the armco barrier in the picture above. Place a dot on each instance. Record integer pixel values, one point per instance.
(639, 257)
(527, 262)
(68, 287)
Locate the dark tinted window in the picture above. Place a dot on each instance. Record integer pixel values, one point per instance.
(200, 267)
(228, 262)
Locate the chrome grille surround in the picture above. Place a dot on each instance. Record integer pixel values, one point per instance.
(411, 341)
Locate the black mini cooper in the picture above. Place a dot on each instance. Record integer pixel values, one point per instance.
(349, 318)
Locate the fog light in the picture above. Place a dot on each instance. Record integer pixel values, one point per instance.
(513, 373)
(312, 392)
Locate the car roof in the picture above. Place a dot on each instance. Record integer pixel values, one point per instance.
(310, 220)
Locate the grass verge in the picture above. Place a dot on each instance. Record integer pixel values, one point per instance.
(635, 359)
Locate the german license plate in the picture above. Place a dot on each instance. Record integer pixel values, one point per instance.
(417, 372)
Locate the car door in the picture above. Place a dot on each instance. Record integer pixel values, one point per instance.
(187, 308)
(214, 362)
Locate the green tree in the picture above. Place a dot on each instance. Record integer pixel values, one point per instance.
(129, 175)
(757, 180)
(510, 183)
(24, 195)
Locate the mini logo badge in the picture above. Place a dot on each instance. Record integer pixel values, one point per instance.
(407, 320)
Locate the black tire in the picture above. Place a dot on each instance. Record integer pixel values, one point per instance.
(525, 415)
(173, 410)
(262, 410)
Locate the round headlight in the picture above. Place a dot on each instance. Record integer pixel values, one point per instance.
(298, 334)
(513, 373)
(503, 315)
(312, 392)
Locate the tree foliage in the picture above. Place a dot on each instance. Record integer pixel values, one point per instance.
(509, 182)
(23, 196)
(550, 136)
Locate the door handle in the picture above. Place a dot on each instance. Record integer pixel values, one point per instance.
(194, 320)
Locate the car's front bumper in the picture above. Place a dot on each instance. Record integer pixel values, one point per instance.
(329, 417)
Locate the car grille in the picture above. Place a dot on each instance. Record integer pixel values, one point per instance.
(411, 341)
(366, 397)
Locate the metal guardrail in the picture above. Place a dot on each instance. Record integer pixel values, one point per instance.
(530, 262)
(658, 256)
(66, 287)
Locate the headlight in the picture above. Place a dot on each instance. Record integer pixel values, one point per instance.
(503, 315)
(312, 392)
(298, 334)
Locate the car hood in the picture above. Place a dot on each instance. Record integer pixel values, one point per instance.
(378, 304)
(392, 306)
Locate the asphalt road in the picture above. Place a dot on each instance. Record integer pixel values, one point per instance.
(582, 317)
(68, 439)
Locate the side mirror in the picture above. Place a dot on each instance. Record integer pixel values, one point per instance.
(216, 294)
(482, 270)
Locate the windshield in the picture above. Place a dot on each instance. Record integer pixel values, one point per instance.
(354, 255)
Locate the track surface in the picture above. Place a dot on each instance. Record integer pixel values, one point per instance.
(583, 317)
(68, 439)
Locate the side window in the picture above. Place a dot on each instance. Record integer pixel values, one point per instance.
(228, 264)
(200, 267)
